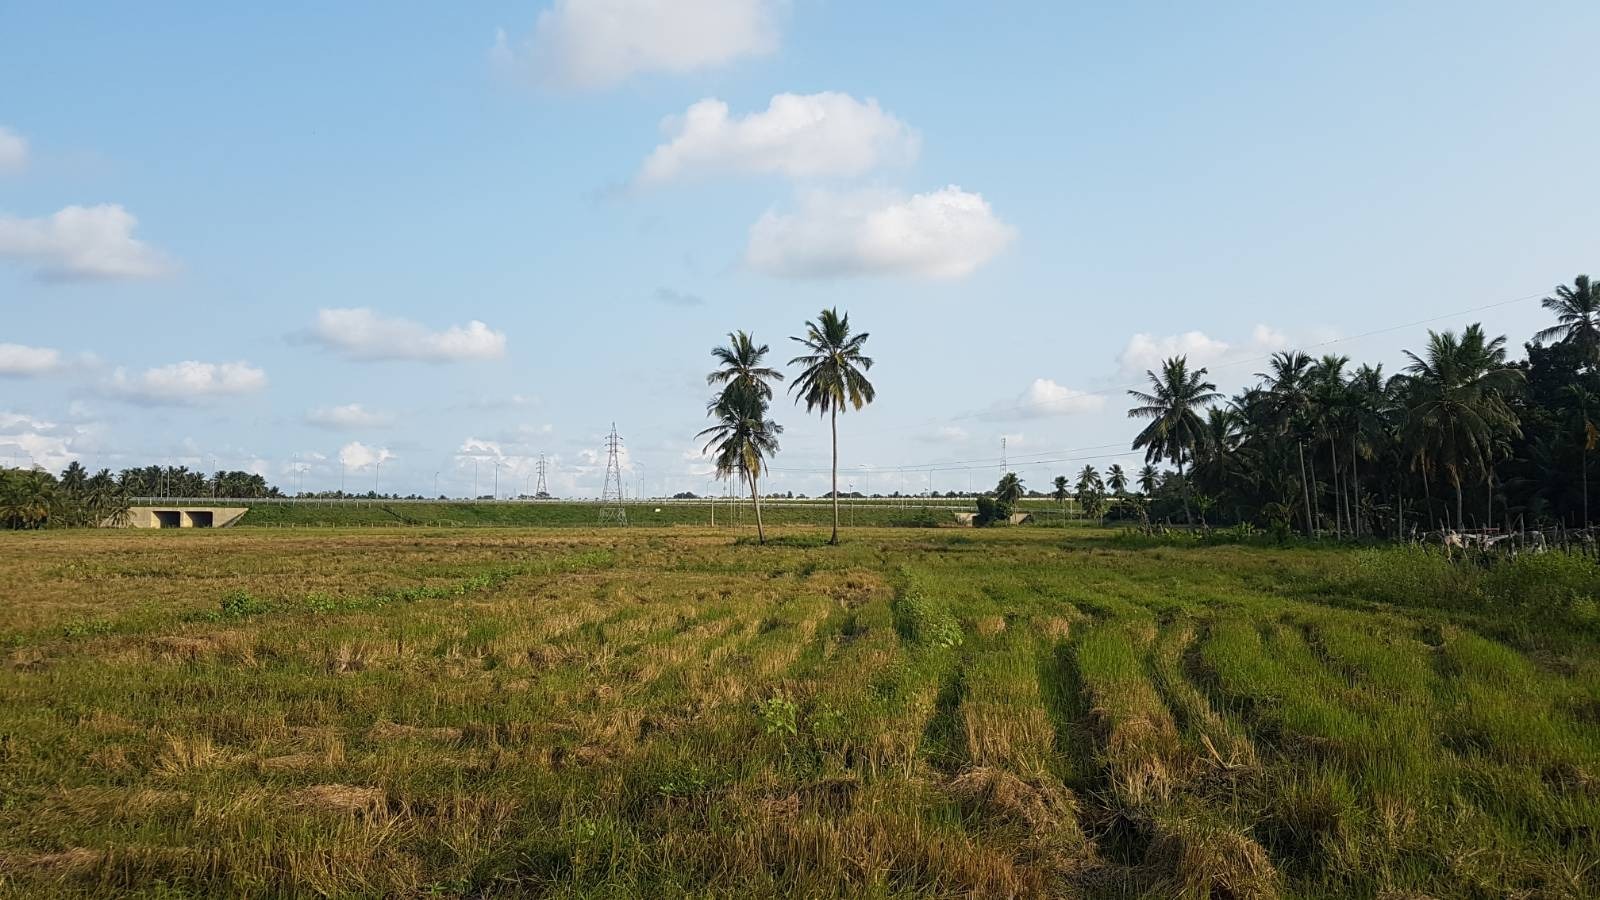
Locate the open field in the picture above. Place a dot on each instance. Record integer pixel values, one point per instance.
(666, 712)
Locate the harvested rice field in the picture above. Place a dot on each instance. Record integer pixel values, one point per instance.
(670, 712)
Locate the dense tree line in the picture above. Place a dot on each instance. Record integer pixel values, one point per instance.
(1461, 438)
(34, 498)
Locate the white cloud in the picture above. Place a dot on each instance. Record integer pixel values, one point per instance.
(1146, 352)
(187, 383)
(13, 151)
(356, 456)
(1046, 398)
(350, 415)
(946, 233)
(598, 43)
(799, 136)
(362, 334)
(26, 440)
(19, 360)
(948, 434)
(81, 242)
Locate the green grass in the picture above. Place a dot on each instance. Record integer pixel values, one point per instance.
(678, 712)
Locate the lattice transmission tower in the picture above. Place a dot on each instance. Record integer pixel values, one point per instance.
(611, 508)
(542, 491)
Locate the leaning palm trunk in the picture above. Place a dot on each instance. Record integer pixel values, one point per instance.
(1461, 506)
(1338, 490)
(755, 500)
(1305, 487)
(1355, 489)
(833, 424)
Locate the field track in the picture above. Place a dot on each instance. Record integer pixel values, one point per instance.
(666, 712)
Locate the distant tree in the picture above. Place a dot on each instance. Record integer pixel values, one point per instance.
(742, 439)
(1117, 480)
(833, 380)
(1175, 431)
(1149, 479)
(1459, 405)
(1577, 310)
(1009, 490)
(1061, 492)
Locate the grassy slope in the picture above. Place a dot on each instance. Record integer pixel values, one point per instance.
(610, 713)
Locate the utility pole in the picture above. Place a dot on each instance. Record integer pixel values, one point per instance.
(1004, 465)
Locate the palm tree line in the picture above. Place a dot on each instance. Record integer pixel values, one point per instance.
(832, 380)
(1461, 438)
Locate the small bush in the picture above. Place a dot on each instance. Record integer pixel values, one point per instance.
(991, 511)
(779, 716)
(238, 604)
(926, 622)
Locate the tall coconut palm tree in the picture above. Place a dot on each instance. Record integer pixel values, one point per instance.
(1577, 310)
(832, 380)
(1060, 494)
(742, 439)
(1149, 479)
(1175, 430)
(739, 366)
(1459, 387)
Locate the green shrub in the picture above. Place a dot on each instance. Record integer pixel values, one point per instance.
(920, 518)
(238, 604)
(927, 622)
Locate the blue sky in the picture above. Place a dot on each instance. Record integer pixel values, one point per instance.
(434, 234)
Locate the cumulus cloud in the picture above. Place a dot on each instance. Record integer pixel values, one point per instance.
(943, 234)
(1046, 398)
(13, 151)
(1146, 352)
(356, 456)
(187, 383)
(17, 360)
(26, 440)
(799, 136)
(81, 242)
(599, 43)
(348, 416)
(362, 334)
